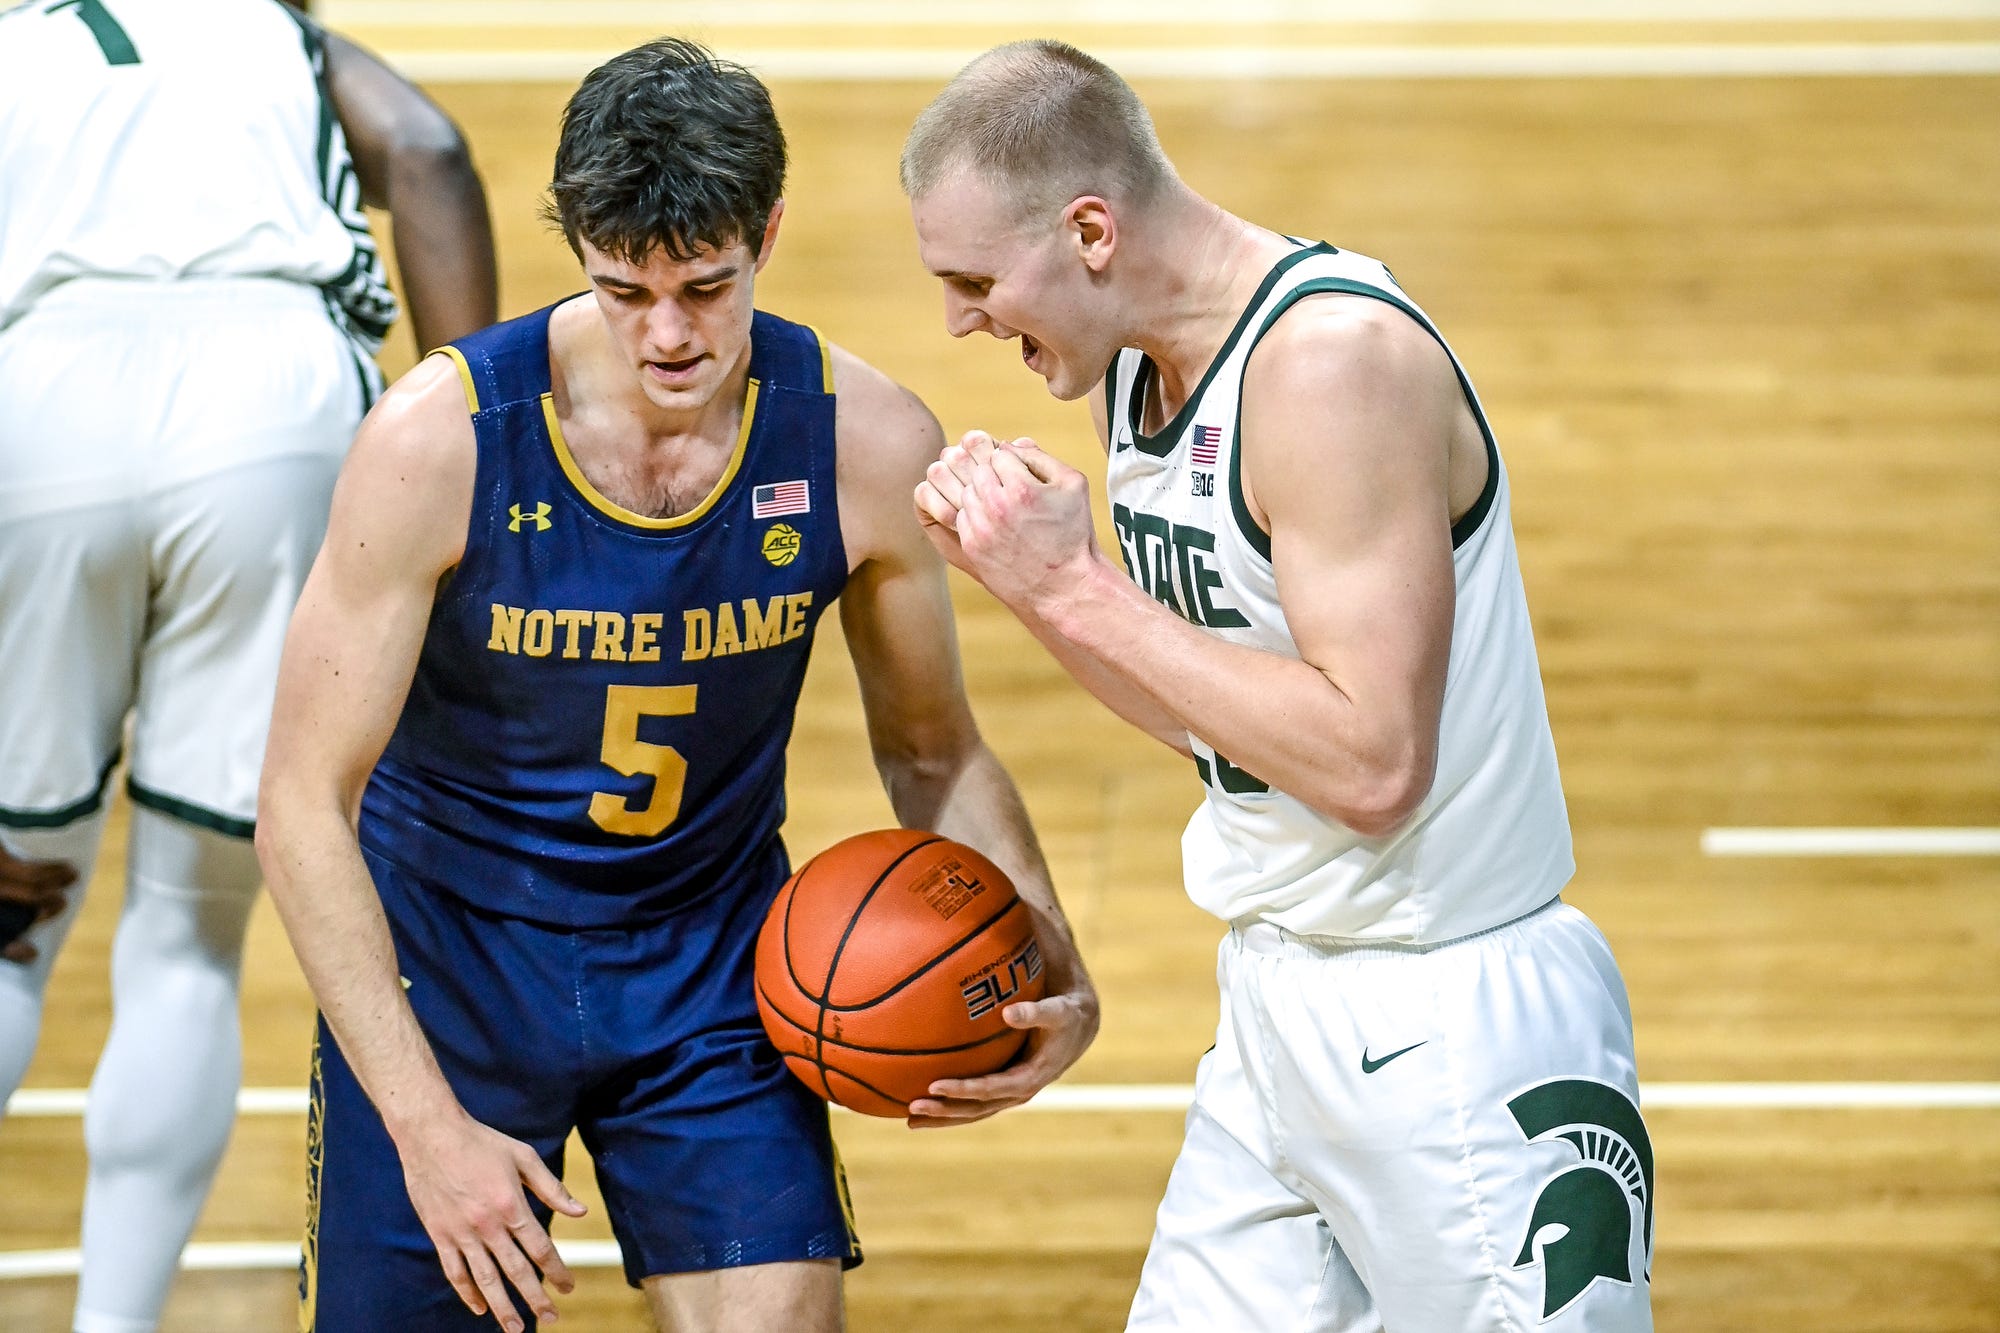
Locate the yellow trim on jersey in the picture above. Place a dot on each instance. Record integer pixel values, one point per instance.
(825, 360)
(465, 377)
(315, 1168)
(598, 499)
(846, 1199)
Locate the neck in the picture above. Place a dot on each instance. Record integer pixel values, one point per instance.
(1204, 265)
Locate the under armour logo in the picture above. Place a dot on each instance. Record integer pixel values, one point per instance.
(540, 518)
(1580, 1228)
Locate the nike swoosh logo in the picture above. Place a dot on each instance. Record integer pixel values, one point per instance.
(1370, 1066)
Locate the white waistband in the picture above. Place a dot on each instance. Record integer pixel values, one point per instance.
(1262, 937)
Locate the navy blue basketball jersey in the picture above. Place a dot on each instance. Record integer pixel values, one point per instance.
(597, 727)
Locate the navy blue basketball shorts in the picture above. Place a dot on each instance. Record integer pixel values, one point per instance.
(644, 1039)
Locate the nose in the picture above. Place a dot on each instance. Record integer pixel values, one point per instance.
(667, 326)
(961, 316)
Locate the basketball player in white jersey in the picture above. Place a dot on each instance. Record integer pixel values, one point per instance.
(189, 303)
(1421, 1111)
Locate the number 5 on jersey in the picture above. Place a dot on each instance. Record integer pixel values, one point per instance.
(624, 752)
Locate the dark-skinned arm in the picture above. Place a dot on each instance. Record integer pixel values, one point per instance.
(414, 163)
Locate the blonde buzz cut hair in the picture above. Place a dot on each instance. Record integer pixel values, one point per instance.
(1042, 121)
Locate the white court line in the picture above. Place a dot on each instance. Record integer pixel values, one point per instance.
(60, 1102)
(1718, 60)
(241, 1256)
(668, 15)
(246, 1255)
(1851, 842)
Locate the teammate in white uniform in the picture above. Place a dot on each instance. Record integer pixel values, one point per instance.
(189, 301)
(1421, 1112)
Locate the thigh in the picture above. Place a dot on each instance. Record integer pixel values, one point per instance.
(492, 1005)
(796, 1297)
(73, 586)
(367, 1263)
(1467, 1121)
(229, 553)
(1238, 1243)
(711, 1154)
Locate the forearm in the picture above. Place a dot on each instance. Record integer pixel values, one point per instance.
(1281, 719)
(444, 242)
(1112, 690)
(330, 909)
(973, 801)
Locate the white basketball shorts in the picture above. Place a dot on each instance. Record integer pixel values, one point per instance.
(1422, 1139)
(167, 455)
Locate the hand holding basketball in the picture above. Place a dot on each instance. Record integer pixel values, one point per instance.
(1060, 1028)
(884, 966)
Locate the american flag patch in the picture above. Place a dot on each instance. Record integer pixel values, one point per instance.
(780, 498)
(1207, 440)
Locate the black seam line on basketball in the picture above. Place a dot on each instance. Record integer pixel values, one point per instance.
(798, 984)
(789, 1021)
(833, 963)
(883, 1093)
(915, 973)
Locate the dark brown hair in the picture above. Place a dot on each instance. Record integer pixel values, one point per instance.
(667, 147)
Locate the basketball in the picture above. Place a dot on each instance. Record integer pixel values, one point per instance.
(884, 964)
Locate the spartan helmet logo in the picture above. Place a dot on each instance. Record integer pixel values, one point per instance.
(1580, 1228)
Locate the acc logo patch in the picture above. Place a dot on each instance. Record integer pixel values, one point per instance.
(1580, 1228)
(781, 544)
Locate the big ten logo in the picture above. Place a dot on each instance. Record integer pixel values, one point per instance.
(1001, 981)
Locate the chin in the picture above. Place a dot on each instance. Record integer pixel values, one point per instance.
(1062, 388)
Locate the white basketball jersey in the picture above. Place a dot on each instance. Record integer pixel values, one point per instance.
(157, 140)
(1491, 841)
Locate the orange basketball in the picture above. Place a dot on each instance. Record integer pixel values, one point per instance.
(884, 964)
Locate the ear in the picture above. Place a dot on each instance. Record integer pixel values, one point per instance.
(770, 235)
(1092, 230)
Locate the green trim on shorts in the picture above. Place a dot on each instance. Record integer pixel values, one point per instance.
(66, 815)
(199, 815)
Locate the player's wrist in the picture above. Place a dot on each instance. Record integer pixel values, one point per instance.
(1073, 599)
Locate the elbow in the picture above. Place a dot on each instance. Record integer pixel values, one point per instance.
(267, 838)
(1385, 798)
(429, 153)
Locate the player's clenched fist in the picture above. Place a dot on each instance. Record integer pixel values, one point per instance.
(1020, 517)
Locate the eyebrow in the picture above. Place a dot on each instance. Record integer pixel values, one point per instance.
(701, 280)
(961, 273)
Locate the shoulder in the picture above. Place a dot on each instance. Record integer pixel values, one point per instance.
(1348, 409)
(1354, 349)
(425, 411)
(884, 438)
(413, 463)
(881, 427)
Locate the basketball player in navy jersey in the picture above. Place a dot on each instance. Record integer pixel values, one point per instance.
(526, 773)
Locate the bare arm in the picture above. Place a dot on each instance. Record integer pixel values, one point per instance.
(397, 527)
(939, 774)
(413, 161)
(349, 658)
(1107, 686)
(1349, 413)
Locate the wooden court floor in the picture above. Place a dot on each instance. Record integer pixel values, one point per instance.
(1740, 340)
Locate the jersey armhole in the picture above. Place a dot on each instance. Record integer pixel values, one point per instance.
(464, 376)
(1469, 522)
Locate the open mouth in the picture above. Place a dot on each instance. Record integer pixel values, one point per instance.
(674, 370)
(1029, 348)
